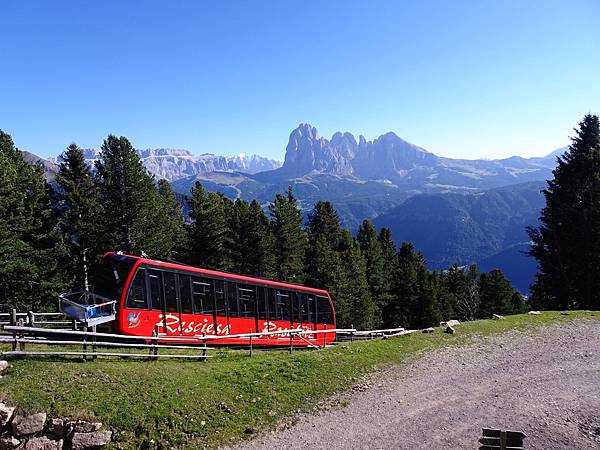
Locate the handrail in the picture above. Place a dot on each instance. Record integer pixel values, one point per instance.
(32, 330)
(368, 332)
(272, 333)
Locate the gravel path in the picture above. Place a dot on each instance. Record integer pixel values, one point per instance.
(545, 384)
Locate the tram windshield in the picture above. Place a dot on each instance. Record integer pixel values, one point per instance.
(111, 274)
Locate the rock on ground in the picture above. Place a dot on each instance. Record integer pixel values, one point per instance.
(6, 413)
(43, 443)
(83, 441)
(543, 383)
(24, 425)
(8, 443)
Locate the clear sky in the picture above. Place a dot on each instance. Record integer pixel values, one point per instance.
(486, 78)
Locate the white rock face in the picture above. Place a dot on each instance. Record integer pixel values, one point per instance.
(174, 164)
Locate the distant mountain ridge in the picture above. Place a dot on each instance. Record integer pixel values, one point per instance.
(391, 159)
(174, 164)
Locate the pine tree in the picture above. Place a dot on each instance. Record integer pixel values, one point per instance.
(405, 287)
(32, 253)
(377, 276)
(463, 293)
(518, 304)
(567, 242)
(79, 214)
(323, 255)
(171, 229)
(128, 197)
(424, 311)
(354, 305)
(290, 238)
(208, 234)
(495, 293)
(260, 241)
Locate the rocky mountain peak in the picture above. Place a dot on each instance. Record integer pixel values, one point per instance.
(307, 152)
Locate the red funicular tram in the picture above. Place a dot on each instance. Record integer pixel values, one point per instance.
(178, 300)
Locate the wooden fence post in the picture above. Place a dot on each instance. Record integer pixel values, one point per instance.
(291, 341)
(21, 336)
(352, 333)
(250, 344)
(94, 340)
(204, 349)
(155, 342)
(13, 322)
(84, 357)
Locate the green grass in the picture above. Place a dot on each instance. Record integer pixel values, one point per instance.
(175, 403)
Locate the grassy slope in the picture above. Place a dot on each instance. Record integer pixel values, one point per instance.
(185, 403)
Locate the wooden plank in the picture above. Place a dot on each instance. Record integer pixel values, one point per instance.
(122, 355)
(106, 344)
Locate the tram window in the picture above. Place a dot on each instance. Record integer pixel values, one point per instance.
(272, 305)
(185, 293)
(203, 295)
(170, 292)
(156, 298)
(324, 312)
(307, 308)
(232, 304)
(282, 298)
(136, 298)
(295, 306)
(261, 304)
(247, 296)
(220, 305)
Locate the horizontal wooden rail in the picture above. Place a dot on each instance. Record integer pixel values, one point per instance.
(90, 354)
(35, 330)
(103, 344)
(284, 333)
(369, 332)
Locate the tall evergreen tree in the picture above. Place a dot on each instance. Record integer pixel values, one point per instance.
(405, 287)
(208, 234)
(567, 242)
(290, 238)
(128, 197)
(323, 255)
(354, 305)
(31, 251)
(377, 274)
(496, 294)
(260, 258)
(170, 231)
(79, 214)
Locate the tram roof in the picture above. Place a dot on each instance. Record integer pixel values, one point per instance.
(220, 274)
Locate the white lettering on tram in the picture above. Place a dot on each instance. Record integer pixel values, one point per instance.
(270, 327)
(170, 323)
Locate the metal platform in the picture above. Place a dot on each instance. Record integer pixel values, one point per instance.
(88, 308)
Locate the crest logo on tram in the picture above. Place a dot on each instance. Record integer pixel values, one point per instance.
(133, 319)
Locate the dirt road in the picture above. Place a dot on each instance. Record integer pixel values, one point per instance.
(546, 384)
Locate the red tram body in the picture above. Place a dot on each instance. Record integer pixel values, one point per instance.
(184, 301)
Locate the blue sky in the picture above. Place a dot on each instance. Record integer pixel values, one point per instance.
(487, 78)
